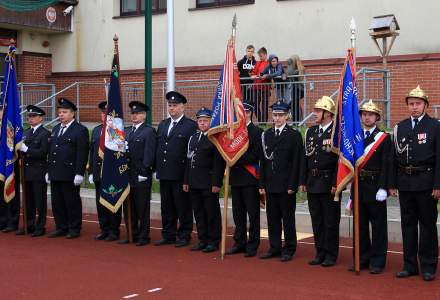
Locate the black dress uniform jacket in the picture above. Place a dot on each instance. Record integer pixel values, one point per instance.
(95, 162)
(320, 165)
(239, 175)
(68, 153)
(172, 148)
(35, 158)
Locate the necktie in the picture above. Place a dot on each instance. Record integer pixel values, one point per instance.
(367, 134)
(172, 127)
(62, 130)
(321, 131)
(277, 132)
(32, 131)
(133, 129)
(416, 121)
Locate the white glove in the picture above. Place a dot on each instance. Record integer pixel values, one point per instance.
(141, 178)
(126, 145)
(24, 148)
(91, 179)
(78, 180)
(155, 176)
(381, 195)
(46, 177)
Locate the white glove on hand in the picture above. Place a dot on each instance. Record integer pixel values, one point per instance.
(142, 178)
(91, 179)
(381, 195)
(78, 180)
(46, 177)
(126, 146)
(24, 148)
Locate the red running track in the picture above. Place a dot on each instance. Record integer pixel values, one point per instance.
(42, 268)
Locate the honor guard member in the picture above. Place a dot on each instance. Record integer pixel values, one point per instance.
(141, 139)
(416, 176)
(319, 181)
(172, 144)
(108, 222)
(35, 147)
(373, 186)
(203, 179)
(67, 160)
(244, 190)
(280, 171)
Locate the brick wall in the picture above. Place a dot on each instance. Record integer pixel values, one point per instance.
(407, 71)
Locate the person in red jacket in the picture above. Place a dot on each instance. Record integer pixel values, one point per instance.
(261, 87)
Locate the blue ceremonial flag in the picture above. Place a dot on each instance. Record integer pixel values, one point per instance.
(11, 133)
(348, 139)
(112, 149)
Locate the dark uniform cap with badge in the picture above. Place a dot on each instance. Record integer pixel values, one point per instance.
(204, 113)
(175, 97)
(137, 107)
(417, 93)
(248, 106)
(102, 106)
(67, 104)
(280, 107)
(33, 110)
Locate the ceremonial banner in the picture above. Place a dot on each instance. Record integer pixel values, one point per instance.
(347, 138)
(11, 133)
(228, 130)
(112, 149)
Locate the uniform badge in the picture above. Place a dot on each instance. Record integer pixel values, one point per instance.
(421, 138)
(326, 145)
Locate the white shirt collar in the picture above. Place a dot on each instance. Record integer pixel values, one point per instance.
(67, 125)
(247, 124)
(370, 130)
(325, 127)
(36, 127)
(281, 128)
(419, 118)
(177, 120)
(136, 126)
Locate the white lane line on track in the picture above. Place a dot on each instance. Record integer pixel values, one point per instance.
(130, 296)
(154, 290)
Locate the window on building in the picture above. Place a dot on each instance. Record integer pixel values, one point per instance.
(137, 7)
(219, 3)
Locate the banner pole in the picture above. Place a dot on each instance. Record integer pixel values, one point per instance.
(24, 198)
(225, 210)
(357, 263)
(129, 229)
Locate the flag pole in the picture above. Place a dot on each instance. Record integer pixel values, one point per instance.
(225, 210)
(357, 264)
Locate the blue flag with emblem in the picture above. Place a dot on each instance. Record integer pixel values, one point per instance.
(348, 139)
(112, 149)
(11, 133)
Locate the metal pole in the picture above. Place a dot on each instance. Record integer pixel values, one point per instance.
(77, 102)
(148, 84)
(171, 77)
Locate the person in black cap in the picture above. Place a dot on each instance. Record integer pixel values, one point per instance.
(67, 160)
(244, 188)
(108, 222)
(172, 141)
(203, 180)
(35, 148)
(141, 141)
(279, 181)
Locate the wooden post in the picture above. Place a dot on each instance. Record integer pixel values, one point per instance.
(129, 229)
(225, 210)
(357, 265)
(24, 198)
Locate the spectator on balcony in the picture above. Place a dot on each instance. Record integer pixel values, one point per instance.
(246, 65)
(260, 95)
(274, 72)
(295, 90)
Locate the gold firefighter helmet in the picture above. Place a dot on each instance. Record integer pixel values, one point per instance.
(326, 103)
(370, 106)
(417, 93)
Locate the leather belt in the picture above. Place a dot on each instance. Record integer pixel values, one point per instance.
(318, 172)
(411, 170)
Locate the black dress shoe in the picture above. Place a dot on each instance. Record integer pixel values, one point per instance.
(20, 232)
(101, 236)
(235, 250)
(268, 255)
(72, 235)
(9, 229)
(250, 253)
(376, 270)
(328, 263)
(405, 274)
(316, 261)
(163, 242)
(56, 233)
(428, 276)
(111, 238)
(37, 233)
(181, 243)
(199, 247)
(142, 242)
(123, 242)
(362, 267)
(285, 257)
(2, 227)
(210, 248)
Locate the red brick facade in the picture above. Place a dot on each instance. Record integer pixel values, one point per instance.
(407, 71)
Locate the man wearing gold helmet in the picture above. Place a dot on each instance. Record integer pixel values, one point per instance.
(416, 176)
(373, 185)
(319, 181)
